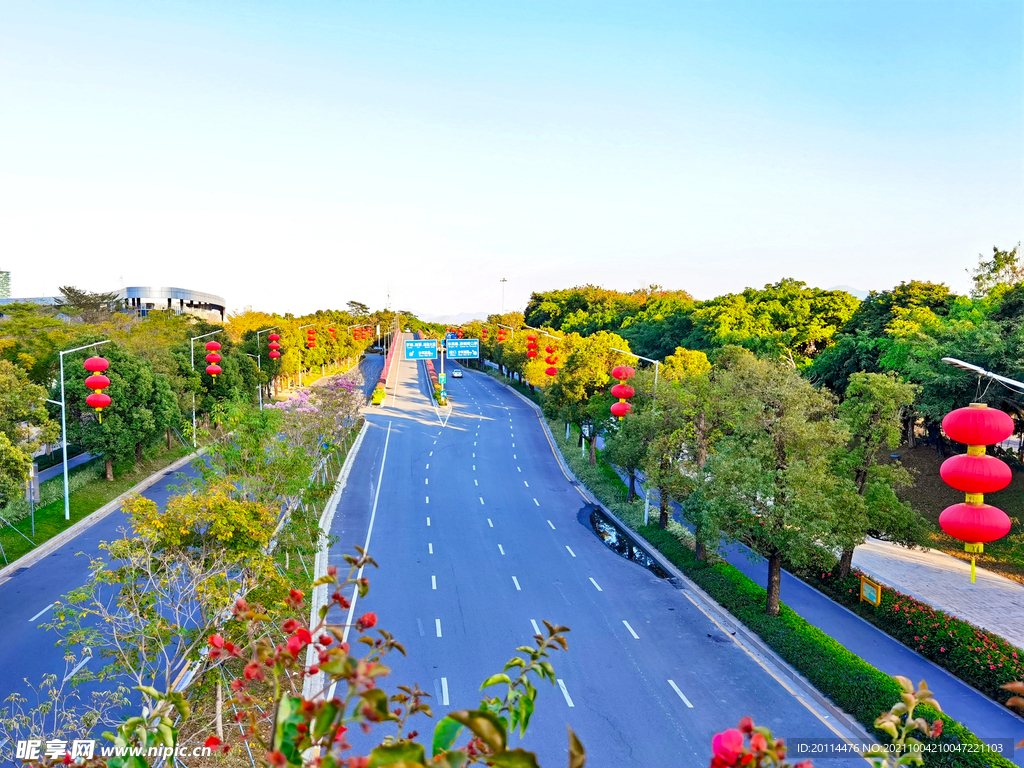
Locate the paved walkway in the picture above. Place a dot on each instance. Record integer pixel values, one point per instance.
(993, 602)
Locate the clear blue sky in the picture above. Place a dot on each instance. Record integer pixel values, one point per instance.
(294, 156)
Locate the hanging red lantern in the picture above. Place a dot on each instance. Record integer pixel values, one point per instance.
(274, 353)
(97, 383)
(483, 334)
(274, 337)
(274, 345)
(551, 359)
(213, 358)
(549, 349)
(622, 391)
(552, 371)
(972, 521)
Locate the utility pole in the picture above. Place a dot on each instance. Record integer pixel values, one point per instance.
(503, 281)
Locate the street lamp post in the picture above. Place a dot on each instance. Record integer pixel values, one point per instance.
(657, 368)
(259, 385)
(503, 281)
(258, 354)
(192, 344)
(64, 422)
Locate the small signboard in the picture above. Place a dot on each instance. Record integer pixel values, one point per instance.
(444, 394)
(422, 349)
(450, 335)
(870, 592)
(463, 348)
(442, 378)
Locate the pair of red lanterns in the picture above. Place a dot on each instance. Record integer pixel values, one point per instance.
(274, 345)
(97, 383)
(973, 521)
(622, 390)
(501, 335)
(551, 359)
(213, 357)
(531, 345)
(483, 333)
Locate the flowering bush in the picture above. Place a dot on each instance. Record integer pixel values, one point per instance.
(750, 746)
(981, 659)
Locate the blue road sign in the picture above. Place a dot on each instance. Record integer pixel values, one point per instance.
(424, 349)
(463, 348)
(451, 335)
(444, 394)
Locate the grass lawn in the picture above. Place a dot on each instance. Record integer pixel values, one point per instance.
(930, 496)
(50, 519)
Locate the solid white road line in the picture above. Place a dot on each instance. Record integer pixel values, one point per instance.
(634, 634)
(516, 582)
(444, 688)
(42, 612)
(489, 522)
(501, 549)
(433, 585)
(570, 550)
(675, 688)
(550, 523)
(536, 629)
(430, 549)
(437, 625)
(596, 584)
(565, 693)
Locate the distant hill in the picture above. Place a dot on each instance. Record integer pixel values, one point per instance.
(459, 319)
(852, 291)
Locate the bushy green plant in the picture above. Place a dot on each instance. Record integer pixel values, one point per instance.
(53, 490)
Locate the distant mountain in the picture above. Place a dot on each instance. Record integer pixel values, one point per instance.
(852, 291)
(459, 319)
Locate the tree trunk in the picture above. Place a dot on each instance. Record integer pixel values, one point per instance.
(219, 724)
(845, 562)
(110, 470)
(632, 486)
(774, 583)
(138, 453)
(701, 553)
(593, 451)
(169, 446)
(662, 508)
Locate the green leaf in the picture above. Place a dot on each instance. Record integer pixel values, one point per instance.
(445, 734)
(485, 725)
(377, 701)
(501, 677)
(402, 753)
(325, 718)
(516, 758)
(525, 713)
(577, 754)
(150, 691)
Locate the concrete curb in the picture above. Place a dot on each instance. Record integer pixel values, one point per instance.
(752, 643)
(48, 547)
(319, 598)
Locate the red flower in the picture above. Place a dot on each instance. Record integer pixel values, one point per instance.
(216, 641)
(936, 729)
(325, 639)
(727, 746)
(358, 762)
(290, 626)
(332, 570)
(366, 621)
(294, 645)
(212, 741)
(304, 636)
(746, 725)
(277, 758)
(295, 596)
(758, 743)
(314, 670)
(253, 671)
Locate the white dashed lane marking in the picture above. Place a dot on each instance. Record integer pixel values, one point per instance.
(675, 688)
(489, 522)
(437, 624)
(634, 634)
(501, 549)
(570, 550)
(550, 523)
(596, 584)
(516, 582)
(565, 693)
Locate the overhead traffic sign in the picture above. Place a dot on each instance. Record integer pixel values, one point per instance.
(421, 349)
(463, 348)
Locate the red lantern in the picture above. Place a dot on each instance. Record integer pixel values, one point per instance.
(274, 337)
(97, 383)
(483, 334)
(331, 331)
(213, 370)
(274, 345)
(274, 353)
(549, 349)
(974, 522)
(622, 391)
(552, 371)
(212, 346)
(551, 359)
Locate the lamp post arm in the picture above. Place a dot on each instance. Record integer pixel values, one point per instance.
(982, 372)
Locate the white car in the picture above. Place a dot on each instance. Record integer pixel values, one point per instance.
(457, 373)
(407, 330)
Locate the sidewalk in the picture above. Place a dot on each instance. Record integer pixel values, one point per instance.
(993, 602)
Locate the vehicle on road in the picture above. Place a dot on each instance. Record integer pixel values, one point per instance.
(457, 373)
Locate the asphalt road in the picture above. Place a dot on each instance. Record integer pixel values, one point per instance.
(479, 534)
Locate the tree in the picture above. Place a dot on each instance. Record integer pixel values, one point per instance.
(357, 309)
(873, 414)
(684, 363)
(91, 306)
(626, 444)
(142, 407)
(771, 483)
(24, 426)
(1004, 268)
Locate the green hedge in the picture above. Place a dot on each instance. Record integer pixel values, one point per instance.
(850, 682)
(53, 490)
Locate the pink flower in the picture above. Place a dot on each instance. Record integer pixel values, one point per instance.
(727, 746)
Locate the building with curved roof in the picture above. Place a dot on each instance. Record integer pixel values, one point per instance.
(145, 299)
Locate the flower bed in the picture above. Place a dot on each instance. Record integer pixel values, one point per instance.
(979, 658)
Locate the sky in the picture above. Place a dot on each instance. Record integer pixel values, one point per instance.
(295, 156)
